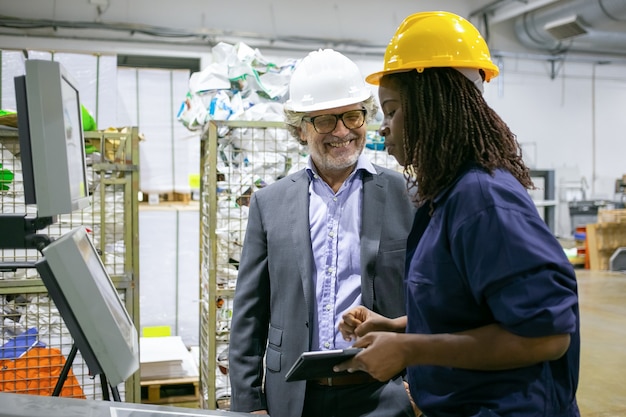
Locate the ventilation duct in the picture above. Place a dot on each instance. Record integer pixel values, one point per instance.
(588, 26)
(566, 28)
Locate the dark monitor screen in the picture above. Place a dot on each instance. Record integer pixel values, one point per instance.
(51, 139)
(75, 144)
(90, 305)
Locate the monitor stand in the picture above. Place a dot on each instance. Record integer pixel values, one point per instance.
(20, 231)
(103, 380)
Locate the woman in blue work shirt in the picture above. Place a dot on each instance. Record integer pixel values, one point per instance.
(492, 325)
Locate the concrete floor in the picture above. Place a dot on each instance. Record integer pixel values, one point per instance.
(602, 386)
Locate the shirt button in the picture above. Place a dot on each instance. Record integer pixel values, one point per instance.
(334, 198)
(327, 345)
(328, 307)
(331, 234)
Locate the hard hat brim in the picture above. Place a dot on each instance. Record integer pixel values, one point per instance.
(325, 105)
(374, 78)
(491, 71)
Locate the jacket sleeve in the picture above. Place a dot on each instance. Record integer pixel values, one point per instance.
(250, 322)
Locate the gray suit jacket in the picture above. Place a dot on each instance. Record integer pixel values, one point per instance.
(275, 297)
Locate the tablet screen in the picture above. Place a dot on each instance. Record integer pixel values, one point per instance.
(319, 364)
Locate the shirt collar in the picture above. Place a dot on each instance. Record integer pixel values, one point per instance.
(363, 163)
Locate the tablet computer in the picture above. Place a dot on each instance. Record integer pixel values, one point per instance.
(319, 364)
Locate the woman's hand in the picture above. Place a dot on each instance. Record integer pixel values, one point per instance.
(383, 356)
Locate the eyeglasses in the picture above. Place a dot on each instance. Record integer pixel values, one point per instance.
(326, 123)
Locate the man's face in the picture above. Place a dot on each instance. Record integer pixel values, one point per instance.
(338, 150)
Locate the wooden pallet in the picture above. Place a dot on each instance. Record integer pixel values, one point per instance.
(612, 216)
(181, 392)
(153, 198)
(602, 240)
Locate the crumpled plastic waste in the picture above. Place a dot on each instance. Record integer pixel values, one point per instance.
(238, 79)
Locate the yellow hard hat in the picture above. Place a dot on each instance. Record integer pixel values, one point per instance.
(436, 39)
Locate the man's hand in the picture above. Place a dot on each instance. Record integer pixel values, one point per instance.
(359, 321)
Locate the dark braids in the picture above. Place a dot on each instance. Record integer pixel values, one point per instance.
(448, 125)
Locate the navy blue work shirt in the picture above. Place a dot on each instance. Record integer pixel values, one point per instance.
(486, 257)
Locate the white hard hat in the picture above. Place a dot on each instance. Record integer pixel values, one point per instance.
(325, 79)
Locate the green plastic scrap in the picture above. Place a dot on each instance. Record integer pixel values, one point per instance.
(89, 123)
(89, 149)
(6, 177)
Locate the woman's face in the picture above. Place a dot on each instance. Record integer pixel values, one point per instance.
(392, 126)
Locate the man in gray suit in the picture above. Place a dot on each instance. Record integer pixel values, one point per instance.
(318, 242)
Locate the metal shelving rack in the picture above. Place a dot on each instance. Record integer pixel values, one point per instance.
(113, 222)
(548, 203)
(237, 157)
(222, 224)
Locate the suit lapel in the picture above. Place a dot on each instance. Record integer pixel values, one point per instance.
(372, 209)
(301, 235)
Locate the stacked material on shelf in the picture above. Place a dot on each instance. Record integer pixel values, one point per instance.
(165, 357)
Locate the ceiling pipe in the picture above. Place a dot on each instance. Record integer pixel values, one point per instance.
(148, 34)
(575, 26)
(511, 12)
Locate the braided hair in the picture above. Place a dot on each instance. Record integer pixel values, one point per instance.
(447, 126)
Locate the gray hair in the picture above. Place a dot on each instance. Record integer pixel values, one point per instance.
(293, 119)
